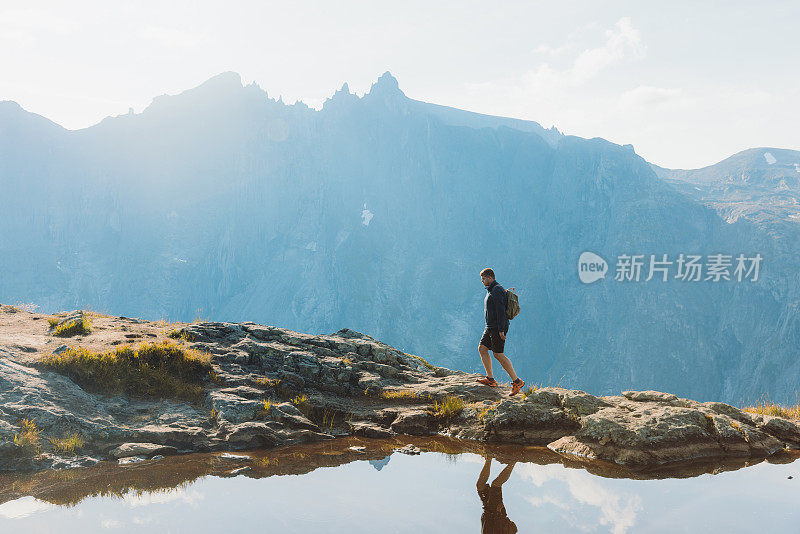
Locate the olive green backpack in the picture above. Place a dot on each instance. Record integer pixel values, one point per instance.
(512, 303)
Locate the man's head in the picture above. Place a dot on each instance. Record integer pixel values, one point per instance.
(487, 277)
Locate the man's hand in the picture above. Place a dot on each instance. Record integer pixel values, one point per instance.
(502, 335)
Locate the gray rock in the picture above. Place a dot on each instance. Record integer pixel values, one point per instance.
(781, 428)
(288, 415)
(370, 430)
(530, 423)
(127, 450)
(132, 460)
(292, 380)
(415, 422)
(252, 434)
(235, 457)
(652, 396)
(233, 408)
(581, 403)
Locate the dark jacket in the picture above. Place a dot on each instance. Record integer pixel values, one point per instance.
(495, 307)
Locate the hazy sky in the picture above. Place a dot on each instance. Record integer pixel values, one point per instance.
(687, 83)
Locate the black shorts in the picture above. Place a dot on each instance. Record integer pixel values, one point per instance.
(491, 339)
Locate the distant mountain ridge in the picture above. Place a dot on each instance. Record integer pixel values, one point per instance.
(377, 213)
(762, 184)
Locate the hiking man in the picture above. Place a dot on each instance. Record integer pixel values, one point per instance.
(494, 336)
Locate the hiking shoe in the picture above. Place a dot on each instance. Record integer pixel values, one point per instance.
(516, 385)
(486, 381)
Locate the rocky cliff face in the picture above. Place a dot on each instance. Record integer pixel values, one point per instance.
(378, 212)
(272, 386)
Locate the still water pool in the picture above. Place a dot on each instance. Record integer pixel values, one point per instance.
(354, 485)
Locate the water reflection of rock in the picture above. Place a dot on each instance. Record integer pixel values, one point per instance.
(70, 486)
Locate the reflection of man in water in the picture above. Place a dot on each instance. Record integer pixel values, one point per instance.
(494, 519)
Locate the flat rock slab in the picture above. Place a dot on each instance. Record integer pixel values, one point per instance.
(126, 450)
(649, 396)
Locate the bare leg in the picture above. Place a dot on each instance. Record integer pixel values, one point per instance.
(506, 363)
(504, 475)
(486, 359)
(483, 478)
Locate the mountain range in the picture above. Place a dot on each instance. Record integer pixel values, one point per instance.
(378, 212)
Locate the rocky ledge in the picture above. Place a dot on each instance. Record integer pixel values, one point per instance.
(272, 387)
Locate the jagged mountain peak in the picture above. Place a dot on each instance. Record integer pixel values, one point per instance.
(386, 85)
(340, 97)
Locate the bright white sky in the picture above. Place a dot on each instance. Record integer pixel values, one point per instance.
(687, 83)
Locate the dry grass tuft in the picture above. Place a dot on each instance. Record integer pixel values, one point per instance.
(28, 437)
(769, 408)
(150, 370)
(180, 333)
(265, 409)
(73, 328)
(449, 407)
(267, 382)
(302, 403)
(399, 394)
(214, 377)
(482, 411)
(68, 444)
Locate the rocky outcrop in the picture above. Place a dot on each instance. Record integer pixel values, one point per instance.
(273, 386)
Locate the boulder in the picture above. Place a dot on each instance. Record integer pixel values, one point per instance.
(416, 422)
(370, 430)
